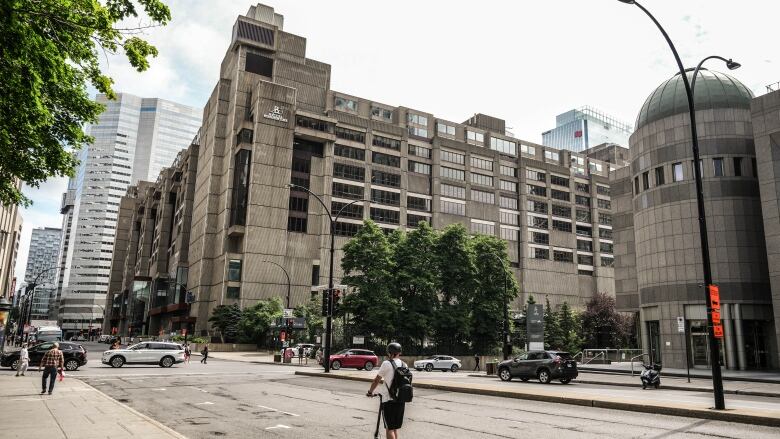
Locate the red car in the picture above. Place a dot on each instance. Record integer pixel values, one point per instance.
(357, 358)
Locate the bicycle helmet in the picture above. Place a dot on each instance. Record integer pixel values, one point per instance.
(394, 348)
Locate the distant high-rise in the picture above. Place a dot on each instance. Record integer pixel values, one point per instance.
(41, 259)
(133, 140)
(585, 127)
(10, 232)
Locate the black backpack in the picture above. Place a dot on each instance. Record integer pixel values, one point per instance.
(401, 389)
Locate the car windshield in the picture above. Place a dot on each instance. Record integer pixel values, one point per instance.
(433, 357)
(344, 352)
(563, 355)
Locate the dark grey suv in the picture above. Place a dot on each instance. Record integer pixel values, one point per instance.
(544, 365)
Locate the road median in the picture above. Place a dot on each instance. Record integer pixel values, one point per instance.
(746, 416)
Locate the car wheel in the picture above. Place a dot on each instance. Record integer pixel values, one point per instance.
(428, 367)
(336, 365)
(166, 362)
(369, 365)
(504, 374)
(657, 385)
(454, 368)
(565, 380)
(117, 362)
(544, 376)
(15, 365)
(71, 365)
(525, 380)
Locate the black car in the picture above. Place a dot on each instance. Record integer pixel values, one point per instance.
(75, 355)
(544, 365)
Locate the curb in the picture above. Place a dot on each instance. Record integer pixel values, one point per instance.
(157, 424)
(681, 375)
(615, 405)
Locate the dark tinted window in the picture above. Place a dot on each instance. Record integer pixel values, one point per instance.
(259, 64)
(564, 355)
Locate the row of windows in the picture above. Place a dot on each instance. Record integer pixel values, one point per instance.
(718, 170)
(568, 257)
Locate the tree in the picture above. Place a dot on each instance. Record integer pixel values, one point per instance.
(225, 318)
(256, 320)
(552, 330)
(603, 326)
(368, 266)
(312, 312)
(49, 53)
(568, 321)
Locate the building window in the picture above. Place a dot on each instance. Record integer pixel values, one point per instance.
(540, 238)
(559, 181)
(606, 247)
(233, 293)
(527, 149)
(312, 124)
(385, 197)
(386, 142)
(717, 163)
(384, 215)
(453, 191)
(538, 222)
(561, 226)
(564, 211)
(563, 256)
(677, 174)
(508, 171)
(445, 129)
(582, 216)
(659, 176)
(582, 187)
(385, 178)
(452, 157)
(537, 206)
(636, 185)
(234, 270)
(349, 152)
(584, 230)
(503, 146)
(482, 228)
(585, 260)
(595, 167)
(420, 151)
(646, 180)
(349, 172)
(738, 166)
(605, 219)
(483, 197)
(535, 175)
(607, 262)
(474, 137)
(511, 218)
(453, 208)
(345, 229)
(344, 104)
(382, 114)
(417, 119)
(540, 191)
(551, 156)
(240, 194)
(415, 220)
(508, 234)
(295, 224)
(385, 159)
(754, 166)
(417, 203)
(480, 163)
(602, 190)
(604, 204)
(560, 195)
(347, 191)
(350, 210)
(540, 253)
(510, 186)
(508, 202)
(482, 179)
(419, 168)
(582, 201)
(585, 246)
(452, 173)
(352, 135)
(299, 204)
(605, 233)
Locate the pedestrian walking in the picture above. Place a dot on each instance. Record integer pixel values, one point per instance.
(392, 406)
(300, 354)
(476, 362)
(52, 363)
(205, 353)
(24, 360)
(187, 353)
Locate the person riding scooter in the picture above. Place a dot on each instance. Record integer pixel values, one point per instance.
(651, 376)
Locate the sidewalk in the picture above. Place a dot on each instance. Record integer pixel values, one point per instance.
(731, 375)
(258, 357)
(74, 410)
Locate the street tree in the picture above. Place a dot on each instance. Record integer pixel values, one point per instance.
(311, 311)
(553, 335)
(256, 320)
(571, 329)
(51, 51)
(225, 319)
(602, 325)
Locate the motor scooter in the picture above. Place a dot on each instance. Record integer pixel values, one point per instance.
(651, 376)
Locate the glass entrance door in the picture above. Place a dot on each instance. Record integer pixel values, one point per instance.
(755, 344)
(654, 338)
(700, 344)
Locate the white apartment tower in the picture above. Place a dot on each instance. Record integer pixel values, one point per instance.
(41, 268)
(134, 139)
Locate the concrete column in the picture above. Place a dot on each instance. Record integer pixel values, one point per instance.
(728, 333)
(740, 339)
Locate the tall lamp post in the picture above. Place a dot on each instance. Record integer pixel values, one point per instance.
(717, 379)
(31, 289)
(505, 335)
(329, 317)
(289, 285)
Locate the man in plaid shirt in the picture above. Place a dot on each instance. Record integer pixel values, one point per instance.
(52, 361)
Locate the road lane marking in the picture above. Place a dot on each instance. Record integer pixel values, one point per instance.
(205, 403)
(277, 410)
(277, 426)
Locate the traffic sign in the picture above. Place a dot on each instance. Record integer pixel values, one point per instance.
(681, 324)
(288, 313)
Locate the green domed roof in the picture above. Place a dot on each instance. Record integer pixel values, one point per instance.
(713, 90)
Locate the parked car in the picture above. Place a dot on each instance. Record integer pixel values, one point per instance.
(544, 365)
(74, 354)
(164, 354)
(78, 338)
(105, 338)
(438, 362)
(357, 358)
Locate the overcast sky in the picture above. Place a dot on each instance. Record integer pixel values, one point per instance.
(523, 61)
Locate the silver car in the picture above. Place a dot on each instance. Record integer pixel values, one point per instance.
(152, 352)
(438, 362)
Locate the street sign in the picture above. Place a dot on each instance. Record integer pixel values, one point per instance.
(718, 329)
(288, 313)
(358, 339)
(681, 324)
(715, 310)
(535, 326)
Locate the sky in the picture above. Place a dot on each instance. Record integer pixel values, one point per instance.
(523, 61)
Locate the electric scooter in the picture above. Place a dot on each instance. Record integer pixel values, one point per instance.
(651, 376)
(379, 416)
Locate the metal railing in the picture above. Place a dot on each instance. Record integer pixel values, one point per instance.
(642, 355)
(600, 354)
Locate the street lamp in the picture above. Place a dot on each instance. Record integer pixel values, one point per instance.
(717, 380)
(288, 281)
(329, 317)
(505, 348)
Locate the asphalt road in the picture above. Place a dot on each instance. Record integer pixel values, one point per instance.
(241, 400)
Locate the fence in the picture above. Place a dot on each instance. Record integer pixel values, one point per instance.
(601, 356)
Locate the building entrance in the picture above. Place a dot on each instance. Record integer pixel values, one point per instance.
(654, 338)
(756, 352)
(700, 344)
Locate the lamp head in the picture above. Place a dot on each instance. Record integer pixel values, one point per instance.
(290, 185)
(733, 65)
(628, 2)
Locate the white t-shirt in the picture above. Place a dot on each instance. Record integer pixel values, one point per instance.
(387, 373)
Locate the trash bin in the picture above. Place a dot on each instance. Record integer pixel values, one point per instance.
(490, 368)
(277, 358)
(288, 354)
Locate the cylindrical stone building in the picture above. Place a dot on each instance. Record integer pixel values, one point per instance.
(662, 214)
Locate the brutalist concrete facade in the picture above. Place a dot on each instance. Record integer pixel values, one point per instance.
(658, 254)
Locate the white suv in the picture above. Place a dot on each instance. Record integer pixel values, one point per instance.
(164, 354)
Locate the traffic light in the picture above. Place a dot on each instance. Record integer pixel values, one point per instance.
(325, 303)
(336, 301)
(290, 323)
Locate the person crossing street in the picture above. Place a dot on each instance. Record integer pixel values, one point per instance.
(24, 360)
(52, 363)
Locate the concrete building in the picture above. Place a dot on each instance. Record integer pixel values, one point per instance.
(42, 260)
(612, 153)
(658, 264)
(66, 210)
(134, 138)
(582, 128)
(272, 119)
(10, 234)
